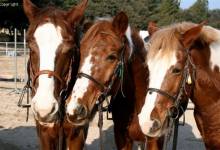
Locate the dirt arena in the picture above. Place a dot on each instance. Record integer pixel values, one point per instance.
(17, 134)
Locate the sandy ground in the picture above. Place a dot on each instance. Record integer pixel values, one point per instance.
(17, 134)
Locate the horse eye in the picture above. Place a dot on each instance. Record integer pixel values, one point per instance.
(176, 70)
(111, 57)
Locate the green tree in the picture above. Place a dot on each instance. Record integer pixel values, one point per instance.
(153, 9)
(214, 18)
(69, 3)
(198, 11)
(168, 12)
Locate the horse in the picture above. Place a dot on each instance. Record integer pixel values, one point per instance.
(53, 41)
(112, 56)
(183, 64)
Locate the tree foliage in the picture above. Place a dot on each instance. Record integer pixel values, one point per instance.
(168, 12)
(198, 12)
(140, 12)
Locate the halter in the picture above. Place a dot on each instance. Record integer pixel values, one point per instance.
(186, 80)
(174, 111)
(118, 73)
(36, 76)
(105, 90)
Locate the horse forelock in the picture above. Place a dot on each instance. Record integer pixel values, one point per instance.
(51, 15)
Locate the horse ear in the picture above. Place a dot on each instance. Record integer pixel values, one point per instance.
(120, 23)
(76, 13)
(30, 9)
(152, 28)
(189, 37)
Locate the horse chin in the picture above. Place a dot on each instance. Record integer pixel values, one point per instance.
(78, 123)
(157, 133)
(47, 124)
(46, 120)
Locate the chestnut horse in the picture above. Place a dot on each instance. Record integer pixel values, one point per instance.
(52, 40)
(183, 61)
(112, 63)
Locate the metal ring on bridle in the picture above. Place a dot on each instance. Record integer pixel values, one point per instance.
(174, 110)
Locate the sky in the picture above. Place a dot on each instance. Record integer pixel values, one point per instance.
(213, 4)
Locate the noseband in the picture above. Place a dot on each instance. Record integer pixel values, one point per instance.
(101, 86)
(50, 74)
(181, 92)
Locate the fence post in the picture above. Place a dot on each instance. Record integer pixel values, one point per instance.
(15, 55)
(25, 58)
(6, 47)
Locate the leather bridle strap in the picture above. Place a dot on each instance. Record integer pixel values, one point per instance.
(101, 86)
(150, 90)
(49, 73)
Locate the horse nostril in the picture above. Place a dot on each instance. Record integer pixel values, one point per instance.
(43, 112)
(156, 125)
(79, 115)
(81, 112)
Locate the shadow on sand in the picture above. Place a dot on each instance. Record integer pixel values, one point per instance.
(20, 138)
(186, 140)
(24, 138)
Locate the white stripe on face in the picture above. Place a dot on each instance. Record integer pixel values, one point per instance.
(80, 86)
(48, 38)
(215, 53)
(157, 68)
(128, 35)
(214, 46)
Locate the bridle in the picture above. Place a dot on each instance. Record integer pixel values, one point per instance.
(185, 90)
(31, 82)
(64, 83)
(118, 73)
(186, 85)
(105, 90)
(50, 74)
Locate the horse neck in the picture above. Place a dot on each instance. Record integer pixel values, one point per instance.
(206, 98)
(207, 80)
(136, 81)
(206, 93)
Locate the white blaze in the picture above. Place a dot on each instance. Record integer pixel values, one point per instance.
(158, 67)
(214, 47)
(128, 35)
(48, 38)
(80, 86)
(215, 54)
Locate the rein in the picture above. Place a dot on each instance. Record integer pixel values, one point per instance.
(187, 81)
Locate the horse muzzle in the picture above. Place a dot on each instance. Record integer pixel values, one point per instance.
(79, 116)
(45, 114)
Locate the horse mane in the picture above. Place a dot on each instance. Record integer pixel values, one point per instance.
(167, 39)
(138, 45)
